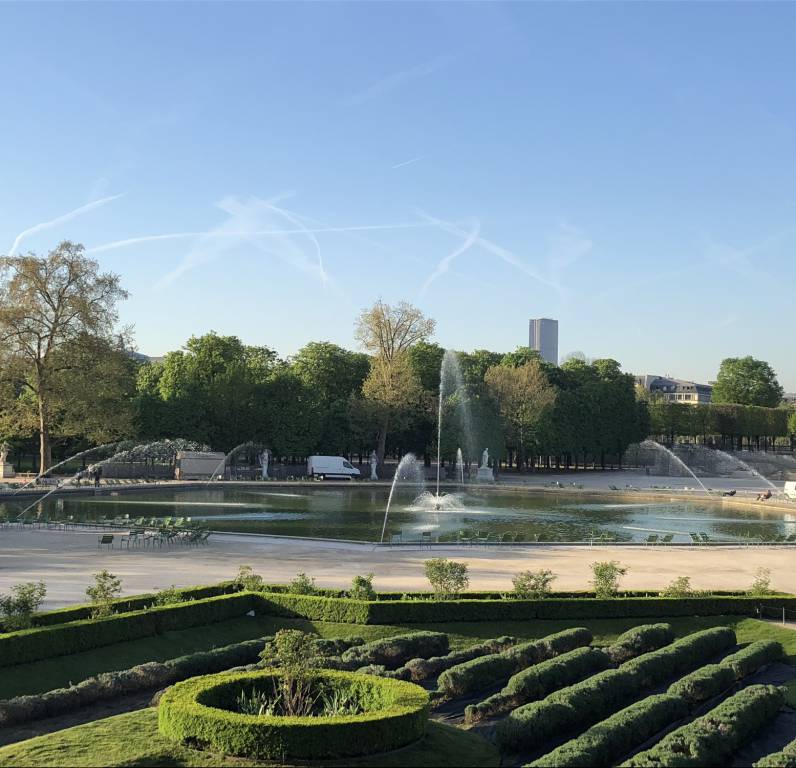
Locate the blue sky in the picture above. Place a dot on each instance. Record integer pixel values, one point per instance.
(268, 170)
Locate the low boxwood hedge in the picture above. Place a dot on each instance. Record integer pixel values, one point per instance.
(538, 681)
(638, 640)
(392, 652)
(486, 671)
(599, 696)
(142, 677)
(396, 715)
(786, 758)
(423, 669)
(714, 738)
(753, 656)
(605, 743)
(76, 636)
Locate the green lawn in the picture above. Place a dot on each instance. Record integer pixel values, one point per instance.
(58, 672)
(132, 739)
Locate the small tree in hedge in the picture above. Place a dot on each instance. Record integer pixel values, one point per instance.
(106, 588)
(680, 587)
(362, 588)
(533, 585)
(761, 586)
(294, 653)
(303, 585)
(18, 607)
(248, 580)
(447, 577)
(169, 596)
(606, 578)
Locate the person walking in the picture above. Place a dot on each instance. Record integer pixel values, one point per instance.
(97, 477)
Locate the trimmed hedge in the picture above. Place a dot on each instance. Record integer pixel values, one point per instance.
(422, 611)
(397, 713)
(714, 738)
(703, 684)
(753, 656)
(127, 604)
(423, 669)
(783, 759)
(486, 671)
(392, 652)
(638, 640)
(599, 696)
(605, 743)
(141, 677)
(76, 636)
(538, 681)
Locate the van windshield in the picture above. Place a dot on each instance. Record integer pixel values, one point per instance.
(347, 465)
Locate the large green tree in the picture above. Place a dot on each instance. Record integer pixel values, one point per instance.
(747, 381)
(56, 312)
(331, 376)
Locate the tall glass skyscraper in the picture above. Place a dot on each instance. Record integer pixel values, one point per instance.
(543, 337)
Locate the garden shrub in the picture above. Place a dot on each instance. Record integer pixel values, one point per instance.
(601, 695)
(714, 738)
(679, 587)
(606, 576)
(19, 607)
(533, 585)
(102, 593)
(141, 677)
(447, 577)
(605, 743)
(246, 579)
(762, 583)
(303, 585)
(402, 673)
(198, 711)
(753, 656)
(423, 669)
(638, 640)
(392, 652)
(786, 758)
(486, 671)
(362, 588)
(538, 681)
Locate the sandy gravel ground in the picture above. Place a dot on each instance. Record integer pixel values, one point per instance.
(65, 560)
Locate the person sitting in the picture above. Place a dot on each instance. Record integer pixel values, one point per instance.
(764, 496)
(730, 493)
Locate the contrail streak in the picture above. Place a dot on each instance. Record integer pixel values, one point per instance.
(494, 248)
(407, 162)
(60, 220)
(188, 235)
(445, 263)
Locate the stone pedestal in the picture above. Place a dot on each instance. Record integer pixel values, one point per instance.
(6, 471)
(485, 475)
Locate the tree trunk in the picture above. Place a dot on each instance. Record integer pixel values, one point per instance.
(382, 441)
(45, 449)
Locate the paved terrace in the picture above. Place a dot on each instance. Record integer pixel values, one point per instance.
(66, 560)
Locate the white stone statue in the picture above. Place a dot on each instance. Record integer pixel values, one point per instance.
(374, 463)
(265, 457)
(485, 458)
(4, 449)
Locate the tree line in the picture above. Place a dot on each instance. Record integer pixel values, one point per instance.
(68, 380)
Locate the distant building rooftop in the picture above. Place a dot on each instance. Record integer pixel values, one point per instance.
(676, 390)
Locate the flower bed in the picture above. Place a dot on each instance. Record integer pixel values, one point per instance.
(199, 712)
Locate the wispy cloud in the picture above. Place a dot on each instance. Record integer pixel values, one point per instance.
(566, 247)
(395, 80)
(408, 162)
(744, 262)
(45, 225)
(444, 264)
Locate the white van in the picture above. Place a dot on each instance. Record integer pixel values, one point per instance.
(790, 490)
(330, 466)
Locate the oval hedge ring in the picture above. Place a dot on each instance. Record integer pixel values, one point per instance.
(198, 712)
